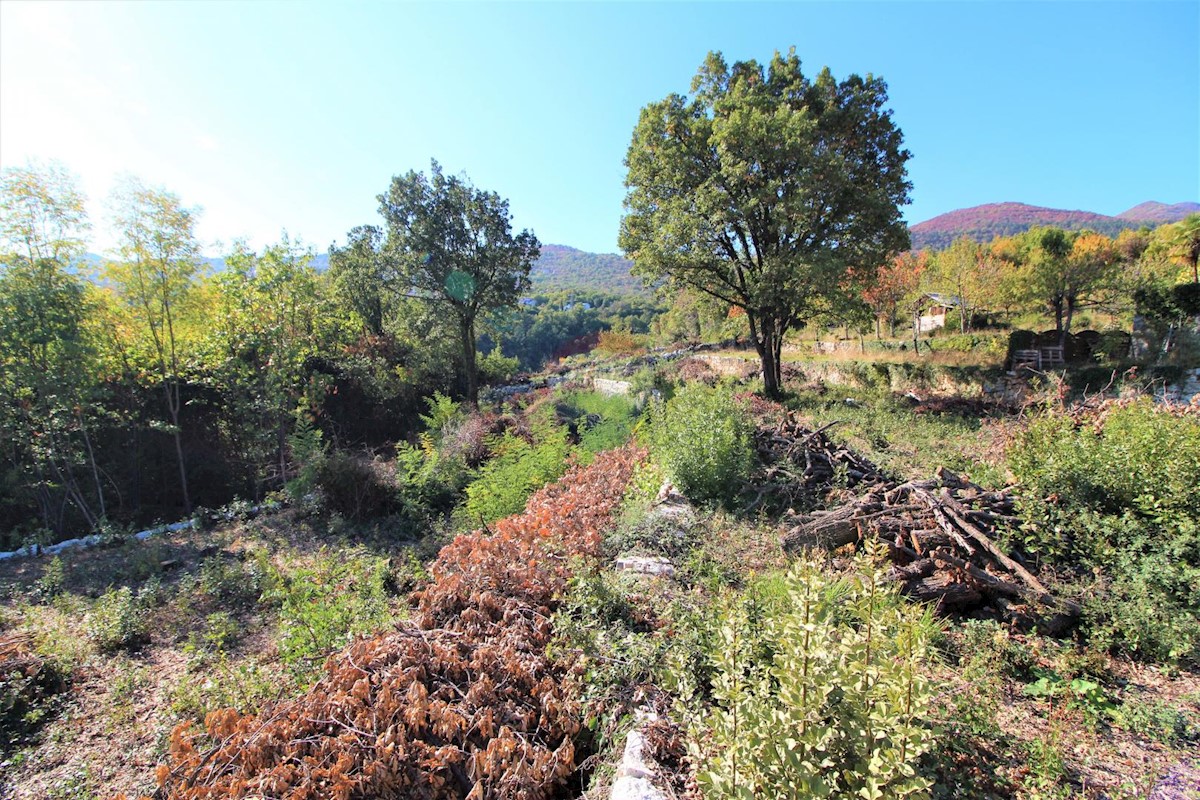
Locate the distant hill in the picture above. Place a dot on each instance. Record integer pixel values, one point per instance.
(562, 268)
(92, 261)
(559, 268)
(1159, 213)
(983, 223)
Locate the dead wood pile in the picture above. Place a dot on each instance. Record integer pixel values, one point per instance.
(939, 531)
(803, 464)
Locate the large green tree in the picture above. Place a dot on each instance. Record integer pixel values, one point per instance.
(764, 188)
(452, 246)
(359, 274)
(269, 315)
(1184, 237)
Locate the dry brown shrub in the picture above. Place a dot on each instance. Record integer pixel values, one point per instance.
(463, 703)
(695, 369)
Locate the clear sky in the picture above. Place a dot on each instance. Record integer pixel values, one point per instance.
(295, 115)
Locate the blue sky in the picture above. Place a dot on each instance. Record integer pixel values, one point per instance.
(295, 115)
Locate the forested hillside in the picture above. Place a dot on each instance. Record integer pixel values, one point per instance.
(561, 268)
(983, 223)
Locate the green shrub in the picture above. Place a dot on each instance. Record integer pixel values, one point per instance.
(357, 486)
(218, 681)
(117, 621)
(28, 686)
(652, 379)
(651, 534)
(1158, 721)
(53, 581)
(643, 487)
(604, 421)
(428, 481)
(1116, 503)
(323, 605)
(820, 695)
(1113, 346)
(225, 581)
(604, 624)
(703, 439)
(517, 469)
(496, 368)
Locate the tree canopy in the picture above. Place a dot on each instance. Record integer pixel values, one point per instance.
(452, 245)
(764, 188)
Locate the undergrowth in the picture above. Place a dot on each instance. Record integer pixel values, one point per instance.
(1111, 499)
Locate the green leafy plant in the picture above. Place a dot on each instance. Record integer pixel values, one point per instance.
(53, 581)
(603, 421)
(308, 451)
(653, 535)
(1047, 769)
(1114, 500)
(604, 623)
(518, 468)
(703, 439)
(322, 606)
(1158, 721)
(117, 621)
(1082, 694)
(443, 412)
(218, 680)
(821, 695)
(496, 368)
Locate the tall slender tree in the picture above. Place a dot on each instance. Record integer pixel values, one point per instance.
(42, 214)
(48, 373)
(159, 261)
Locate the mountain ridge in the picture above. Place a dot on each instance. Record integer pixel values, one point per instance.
(985, 222)
(564, 268)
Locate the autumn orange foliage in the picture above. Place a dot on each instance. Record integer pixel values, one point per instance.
(461, 702)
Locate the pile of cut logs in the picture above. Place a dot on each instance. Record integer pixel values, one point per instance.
(939, 531)
(802, 465)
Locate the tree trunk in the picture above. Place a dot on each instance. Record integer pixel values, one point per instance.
(87, 440)
(467, 329)
(1066, 326)
(768, 342)
(281, 439)
(183, 481)
(173, 408)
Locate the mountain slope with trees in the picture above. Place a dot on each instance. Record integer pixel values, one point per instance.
(984, 223)
(562, 269)
(1157, 213)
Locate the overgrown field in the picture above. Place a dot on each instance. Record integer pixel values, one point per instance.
(450, 620)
